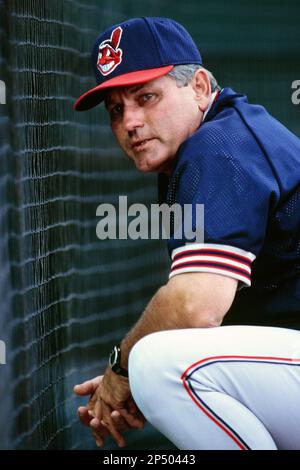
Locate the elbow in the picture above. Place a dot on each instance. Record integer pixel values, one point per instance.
(193, 311)
(198, 316)
(213, 321)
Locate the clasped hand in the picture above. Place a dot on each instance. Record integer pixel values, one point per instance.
(111, 409)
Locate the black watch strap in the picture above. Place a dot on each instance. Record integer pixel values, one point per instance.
(115, 361)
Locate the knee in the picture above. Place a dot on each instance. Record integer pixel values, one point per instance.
(148, 372)
(152, 353)
(143, 359)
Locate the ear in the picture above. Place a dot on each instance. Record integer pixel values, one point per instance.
(202, 89)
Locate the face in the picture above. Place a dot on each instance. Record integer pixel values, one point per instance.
(150, 121)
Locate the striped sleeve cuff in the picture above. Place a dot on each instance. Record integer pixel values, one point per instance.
(219, 259)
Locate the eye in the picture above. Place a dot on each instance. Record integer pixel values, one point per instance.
(146, 97)
(116, 111)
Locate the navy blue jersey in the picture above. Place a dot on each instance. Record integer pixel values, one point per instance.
(244, 166)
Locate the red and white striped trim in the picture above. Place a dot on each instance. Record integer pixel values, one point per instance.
(219, 259)
(186, 380)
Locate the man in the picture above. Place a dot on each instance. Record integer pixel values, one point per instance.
(202, 385)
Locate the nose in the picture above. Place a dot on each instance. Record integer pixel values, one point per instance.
(133, 118)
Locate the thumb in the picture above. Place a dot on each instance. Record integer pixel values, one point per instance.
(86, 388)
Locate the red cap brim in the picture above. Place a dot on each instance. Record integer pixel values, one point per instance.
(94, 96)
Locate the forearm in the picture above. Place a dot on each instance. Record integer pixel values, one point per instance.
(165, 311)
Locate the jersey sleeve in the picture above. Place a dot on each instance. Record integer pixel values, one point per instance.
(213, 258)
(237, 191)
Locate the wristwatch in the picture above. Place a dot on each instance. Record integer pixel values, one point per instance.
(115, 361)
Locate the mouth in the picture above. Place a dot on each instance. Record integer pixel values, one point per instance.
(107, 67)
(141, 144)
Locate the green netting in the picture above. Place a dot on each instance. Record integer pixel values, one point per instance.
(65, 296)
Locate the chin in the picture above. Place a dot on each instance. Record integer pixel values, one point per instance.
(145, 168)
(148, 167)
(155, 164)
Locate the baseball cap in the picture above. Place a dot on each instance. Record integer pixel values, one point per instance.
(137, 51)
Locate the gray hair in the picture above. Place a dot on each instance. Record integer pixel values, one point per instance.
(183, 74)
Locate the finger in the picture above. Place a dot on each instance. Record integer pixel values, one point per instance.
(88, 387)
(99, 432)
(98, 428)
(91, 404)
(99, 440)
(134, 421)
(131, 406)
(114, 433)
(109, 424)
(84, 416)
(133, 409)
(119, 422)
(97, 409)
(92, 401)
(95, 423)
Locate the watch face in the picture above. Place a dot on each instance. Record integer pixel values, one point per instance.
(114, 362)
(113, 356)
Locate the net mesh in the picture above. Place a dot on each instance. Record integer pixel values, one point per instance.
(65, 296)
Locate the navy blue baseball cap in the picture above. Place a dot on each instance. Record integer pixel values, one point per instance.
(137, 51)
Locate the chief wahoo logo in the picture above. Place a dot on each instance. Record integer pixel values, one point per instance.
(110, 55)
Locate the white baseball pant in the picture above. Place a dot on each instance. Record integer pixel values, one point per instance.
(231, 387)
